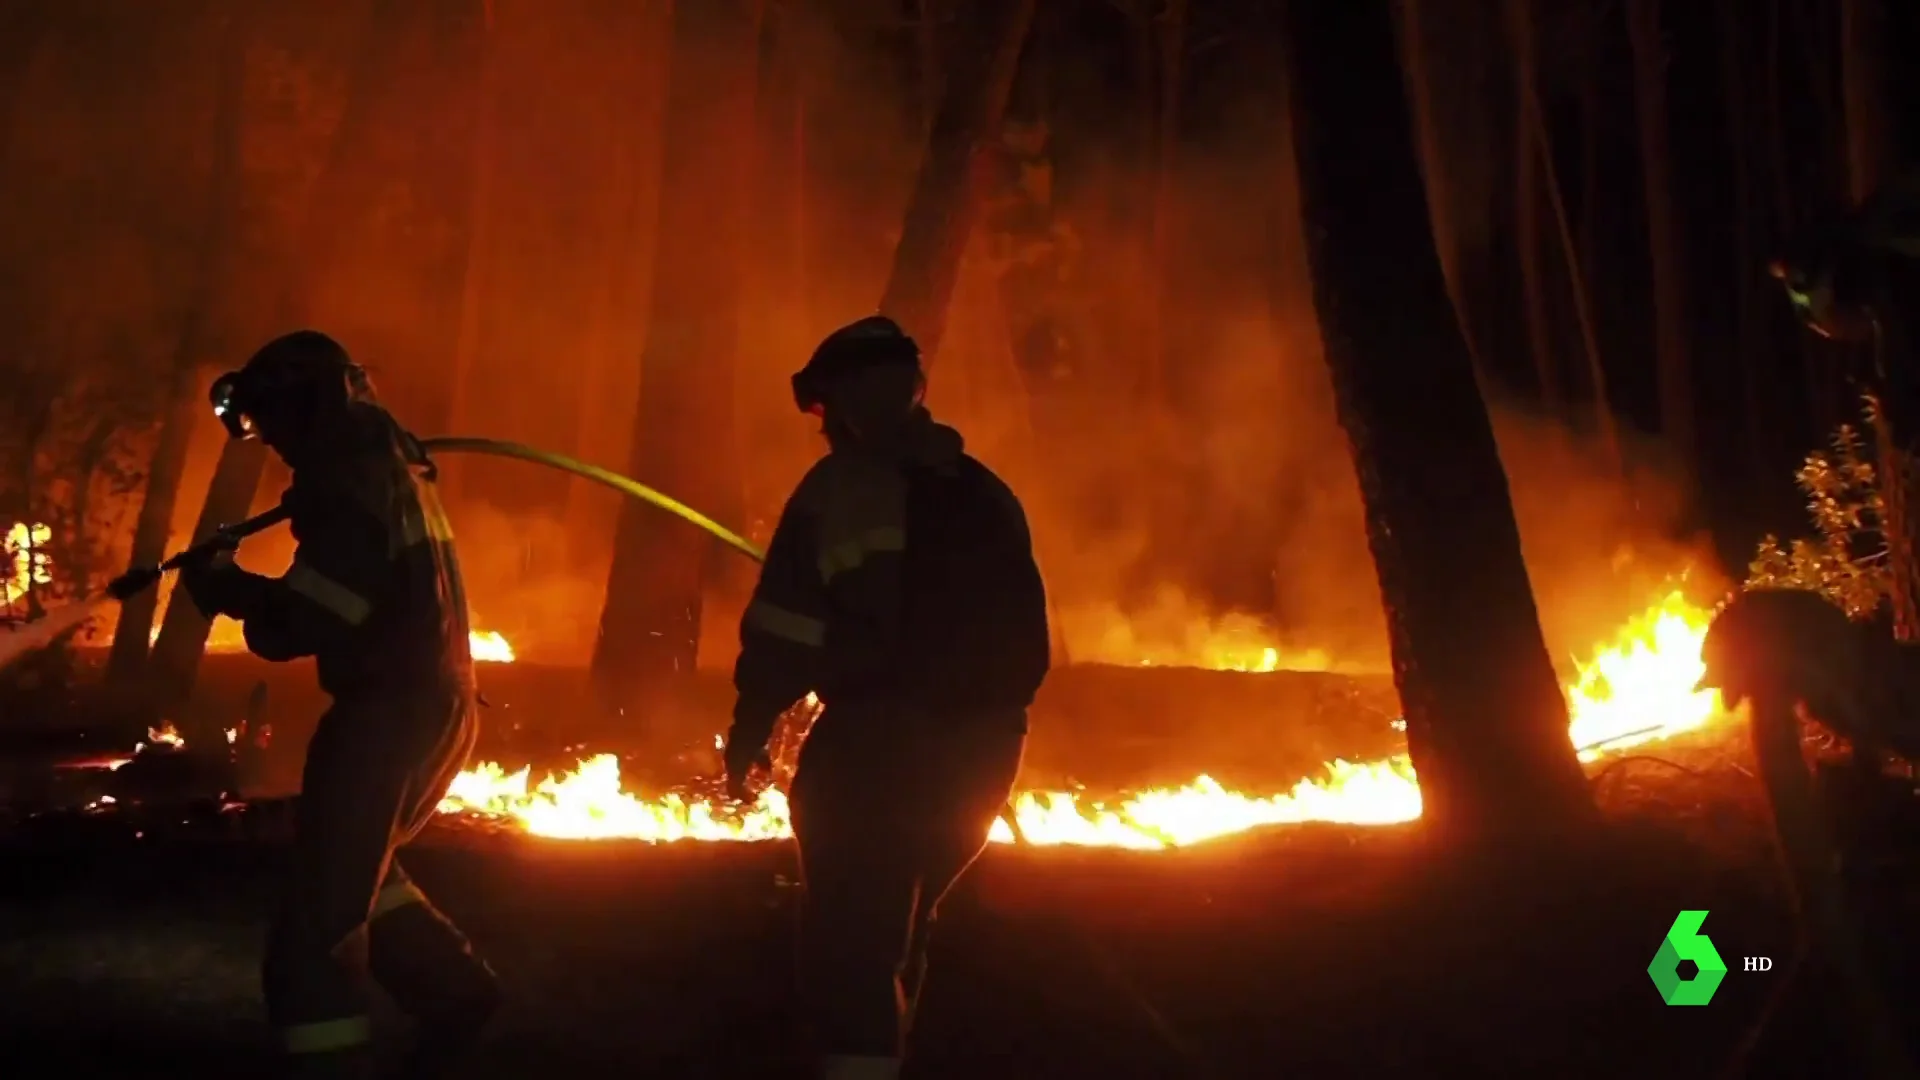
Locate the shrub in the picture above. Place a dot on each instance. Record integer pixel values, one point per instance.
(1846, 558)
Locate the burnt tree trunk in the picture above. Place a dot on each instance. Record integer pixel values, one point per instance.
(1486, 723)
(1672, 355)
(940, 212)
(682, 443)
(186, 408)
(175, 661)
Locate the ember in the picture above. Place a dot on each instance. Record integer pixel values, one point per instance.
(1635, 689)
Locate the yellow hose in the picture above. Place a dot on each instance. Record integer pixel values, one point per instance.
(623, 484)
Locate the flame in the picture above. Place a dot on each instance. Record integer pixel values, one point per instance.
(489, 646)
(27, 561)
(1635, 689)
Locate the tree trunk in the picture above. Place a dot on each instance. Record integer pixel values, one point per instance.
(1171, 40)
(926, 40)
(1526, 211)
(24, 29)
(126, 661)
(1459, 135)
(1668, 278)
(940, 212)
(175, 661)
(1582, 303)
(1863, 89)
(477, 260)
(1486, 723)
(1749, 330)
(682, 436)
(1863, 29)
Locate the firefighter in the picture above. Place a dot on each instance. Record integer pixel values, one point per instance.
(900, 586)
(374, 595)
(1855, 279)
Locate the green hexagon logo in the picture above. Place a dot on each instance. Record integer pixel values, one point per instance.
(1686, 942)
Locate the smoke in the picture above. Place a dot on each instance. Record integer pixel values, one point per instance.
(533, 579)
(1189, 490)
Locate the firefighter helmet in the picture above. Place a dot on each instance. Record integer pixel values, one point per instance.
(296, 374)
(875, 341)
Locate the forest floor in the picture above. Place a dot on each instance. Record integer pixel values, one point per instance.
(129, 944)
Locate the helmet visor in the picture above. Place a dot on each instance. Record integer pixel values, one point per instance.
(230, 408)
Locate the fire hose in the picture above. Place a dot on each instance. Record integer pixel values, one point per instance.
(139, 578)
(133, 581)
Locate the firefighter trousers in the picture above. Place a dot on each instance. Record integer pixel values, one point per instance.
(375, 772)
(885, 827)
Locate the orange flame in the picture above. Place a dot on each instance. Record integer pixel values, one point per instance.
(28, 564)
(1635, 689)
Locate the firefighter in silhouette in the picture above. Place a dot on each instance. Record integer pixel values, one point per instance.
(901, 587)
(1855, 279)
(374, 595)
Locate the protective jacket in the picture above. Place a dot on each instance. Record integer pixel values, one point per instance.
(899, 575)
(374, 593)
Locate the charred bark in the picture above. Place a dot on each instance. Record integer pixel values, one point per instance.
(682, 435)
(127, 658)
(940, 212)
(1486, 723)
(1672, 354)
(175, 661)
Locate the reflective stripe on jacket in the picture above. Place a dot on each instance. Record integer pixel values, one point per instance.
(828, 602)
(908, 581)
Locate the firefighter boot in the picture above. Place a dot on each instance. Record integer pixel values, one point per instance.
(427, 966)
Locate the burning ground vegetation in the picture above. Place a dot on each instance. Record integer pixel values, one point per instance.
(1633, 689)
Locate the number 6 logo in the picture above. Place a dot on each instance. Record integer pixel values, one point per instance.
(1686, 942)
